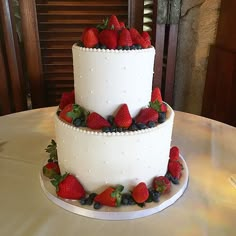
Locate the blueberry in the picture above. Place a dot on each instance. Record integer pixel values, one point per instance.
(126, 48)
(50, 160)
(125, 199)
(106, 129)
(119, 129)
(155, 196)
(83, 201)
(138, 46)
(132, 47)
(120, 48)
(161, 117)
(174, 180)
(110, 119)
(103, 47)
(58, 113)
(113, 129)
(97, 205)
(77, 122)
(141, 126)
(80, 43)
(151, 124)
(133, 127)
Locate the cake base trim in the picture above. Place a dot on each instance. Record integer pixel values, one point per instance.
(120, 213)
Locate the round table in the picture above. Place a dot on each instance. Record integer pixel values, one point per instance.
(208, 206)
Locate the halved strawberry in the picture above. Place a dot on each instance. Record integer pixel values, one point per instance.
(109, 38)
(123, 118)
(161, 184)
(140, 193)
(96, 121)
(70, 112)
(175, 169)
(146, 115)
(113, 23)
(110, 196)
(51, 169)
(174, 153)
(68, 187)
(90, 37)
(67, 98)
(125, 38)
(156, 95)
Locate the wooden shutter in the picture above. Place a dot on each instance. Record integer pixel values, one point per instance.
(59, 26)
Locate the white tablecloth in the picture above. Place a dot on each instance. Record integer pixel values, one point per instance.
(208, 206)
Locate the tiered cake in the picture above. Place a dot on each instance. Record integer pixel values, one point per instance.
(113, 129)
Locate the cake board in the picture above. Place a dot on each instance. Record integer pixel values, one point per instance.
(123, 212)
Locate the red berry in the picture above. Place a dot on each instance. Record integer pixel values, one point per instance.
(174, 153)
(109, 38)
(163, 107)
(175, 169)
(140, 193)
(123, 118)
(96, 121)
(51, 169)
(67, 98)
(137, 38)
(113, 23)
(161, 184)
(125, 38)
(122, 25)
(156, 95)
(146, 115)
(64, 114)
(146, 37)
(90, 38)
(70, 188)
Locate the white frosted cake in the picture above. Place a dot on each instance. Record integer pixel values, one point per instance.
(113, 129)
(104, 79)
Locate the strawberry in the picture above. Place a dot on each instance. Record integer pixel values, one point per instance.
(125, 38)
(145, 35)
(70, 112)
(67, 186)
(90, 37)
(140, 193)
(95, 121)
(67, 98)
(175, 169)
(161, 184)
(122, 24)
(51, 169)
(113, 23)
(137, 38)
(110, 196)
(108, 38)
(123, 118)
(174, 153)
(156, 95)
(146, 115)
(163, 107)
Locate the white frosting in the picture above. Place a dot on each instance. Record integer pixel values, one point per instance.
(99, 159)
(105, 79)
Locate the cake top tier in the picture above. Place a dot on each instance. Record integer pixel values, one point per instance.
(113, 34)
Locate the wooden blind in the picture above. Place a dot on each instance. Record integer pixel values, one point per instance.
(60, 25)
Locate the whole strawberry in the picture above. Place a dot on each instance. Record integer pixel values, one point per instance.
(67, 98)
(175, 169)
(51, 169)
(125, 38)
(90, 37)
(68, 187)
(137, 38)
(110, 196)
(156, 95)
(96, 121)
(113, 23)
(161, 184)
(140, 193)
(108, 38)
(146, 115)
(174, 153)
(146, 37)
(123, 118)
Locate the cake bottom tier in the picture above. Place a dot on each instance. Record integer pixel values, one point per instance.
(100, 159)
(123, 212)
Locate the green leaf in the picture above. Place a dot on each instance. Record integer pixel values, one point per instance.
(155, 105)
(52, 150)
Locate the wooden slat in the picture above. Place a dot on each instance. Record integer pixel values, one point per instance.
(136, 11)
(32, 52)
(13, 56)
(5, 101)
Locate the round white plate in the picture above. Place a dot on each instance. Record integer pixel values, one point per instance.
(123, 212)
